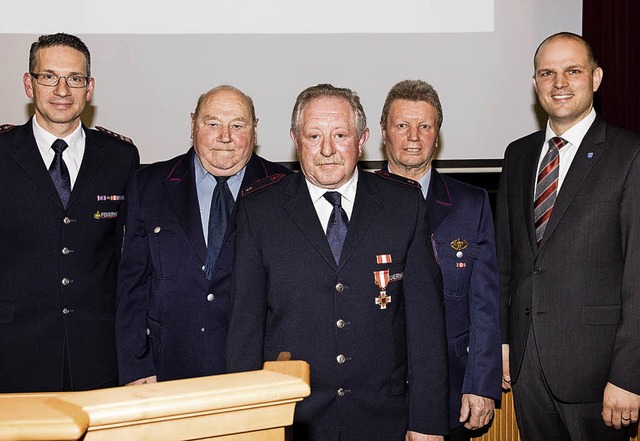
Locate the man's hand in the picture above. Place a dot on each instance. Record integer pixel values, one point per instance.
(152, 379)
(415, 436)
(477, 411)
(619, 406)
(506, 373)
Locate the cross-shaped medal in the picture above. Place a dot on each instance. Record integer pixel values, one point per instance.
(383, 299)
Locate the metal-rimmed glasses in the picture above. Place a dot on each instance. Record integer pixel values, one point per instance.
(52, 80)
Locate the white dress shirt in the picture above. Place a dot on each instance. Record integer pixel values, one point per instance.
(324, 208)
(72, 155)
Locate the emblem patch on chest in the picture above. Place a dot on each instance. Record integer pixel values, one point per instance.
(105, 215)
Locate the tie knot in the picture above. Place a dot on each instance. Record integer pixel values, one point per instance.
(334, 197)
(222, 179)
(59, 145)
(557, 142)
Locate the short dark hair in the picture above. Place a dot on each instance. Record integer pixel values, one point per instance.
(329, 91)
(228, 87)
(591, 58)
(59, 39)
(413, 90)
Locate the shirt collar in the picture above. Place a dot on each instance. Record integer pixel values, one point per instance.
(347, 190)
(44, 140)
(576, 133)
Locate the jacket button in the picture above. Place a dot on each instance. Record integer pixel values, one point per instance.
(66, 251)
(148, 331)
(157, 230)
(341, 358)
(341, 392)
(537, 271)
(339, 287)
(65, 311)
(340, 323)
(210, 297)
(65, 281)
(66, 220)
(527, 311)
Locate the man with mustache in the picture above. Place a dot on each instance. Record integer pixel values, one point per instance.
(334, 265)
(175, 272)
(568, 229)
(60, 232)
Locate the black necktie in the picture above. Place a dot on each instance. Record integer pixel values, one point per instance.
(60, 173)
(338, 224)
(221, 207)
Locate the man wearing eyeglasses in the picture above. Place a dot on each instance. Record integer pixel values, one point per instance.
(62, 187)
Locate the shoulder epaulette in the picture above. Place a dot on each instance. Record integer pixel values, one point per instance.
(397, 178)
(262, 183)
(4, 128)
(114, 134)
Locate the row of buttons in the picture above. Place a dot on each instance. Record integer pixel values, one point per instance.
(340, 324)
(65, 281)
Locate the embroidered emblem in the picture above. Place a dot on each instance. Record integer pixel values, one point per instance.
(105, 215)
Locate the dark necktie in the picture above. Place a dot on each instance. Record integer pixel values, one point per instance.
(547, 186)
(59, 172)
(221, 207)
(338, 224)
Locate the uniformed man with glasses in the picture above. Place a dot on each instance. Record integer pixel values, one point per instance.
(63, 185)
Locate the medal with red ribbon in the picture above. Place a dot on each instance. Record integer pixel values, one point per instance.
(382, 280)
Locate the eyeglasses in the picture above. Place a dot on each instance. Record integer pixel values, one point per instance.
(49, 79)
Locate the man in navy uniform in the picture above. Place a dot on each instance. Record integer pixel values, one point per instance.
(175, 272)
(334, 266)
(62, 185)
(463, 237)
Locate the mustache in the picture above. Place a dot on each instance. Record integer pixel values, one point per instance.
(327, 161)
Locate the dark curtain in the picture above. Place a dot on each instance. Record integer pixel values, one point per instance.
(613, 29)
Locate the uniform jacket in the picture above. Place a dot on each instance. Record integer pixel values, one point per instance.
(171, 320)
(459, 211)
(374, 372)
(579, 291)
(57, 265)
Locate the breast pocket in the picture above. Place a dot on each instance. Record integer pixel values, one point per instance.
(163, 242)
(456, 259)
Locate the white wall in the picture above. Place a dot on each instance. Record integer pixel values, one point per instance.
(171, 55)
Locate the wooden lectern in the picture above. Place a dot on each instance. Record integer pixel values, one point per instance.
(246, 406)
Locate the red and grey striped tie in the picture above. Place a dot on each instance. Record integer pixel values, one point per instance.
(547, 186)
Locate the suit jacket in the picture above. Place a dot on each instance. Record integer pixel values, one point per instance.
(374, 372)
(172, 321)
(471, 294)
(57, 265)
(579, 291)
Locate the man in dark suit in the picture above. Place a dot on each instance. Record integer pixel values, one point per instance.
(362, 303)
(569, 259)
(463, 238)
(62, 187)
(173, 288)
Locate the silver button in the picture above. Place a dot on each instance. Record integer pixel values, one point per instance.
(148, 331)
(210, 298)
(340, 323)
(201, 329)
(459, 254)
(65, 311)
(341, 358)
(66, 220)
(157, 230)
(65, 281)
(339, 287)
(202, 267)
(66, 251)
(341, 392)
(467, 349)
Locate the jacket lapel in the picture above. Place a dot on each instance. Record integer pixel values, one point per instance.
(439, 203)
(91, 160)
(530, 171)
(180, 185)
(365, 210)
(301, 210)
(28, 157)
(581, 165)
